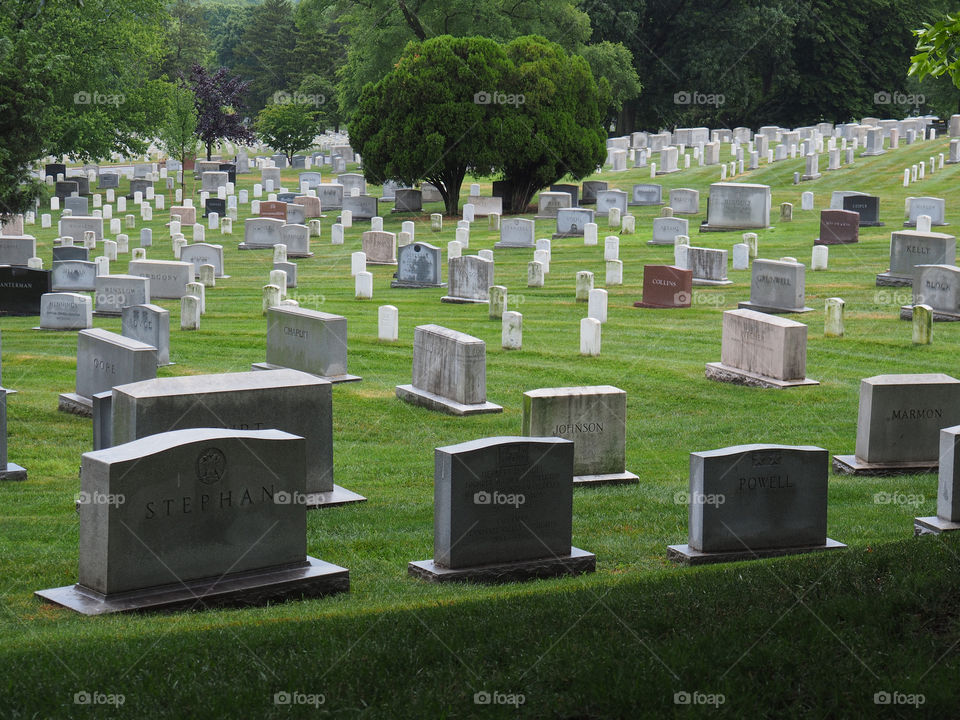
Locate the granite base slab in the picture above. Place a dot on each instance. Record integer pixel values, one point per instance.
(329, 378)
(624, 478)
(578, 562)
(432, 401)
(312, 579)
(13, 472)
(686, 555)
(933, 526)
(724, 373)
(747, 305)
(852, 465)
(75, 405)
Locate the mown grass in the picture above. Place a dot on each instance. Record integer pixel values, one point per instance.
(881, 616)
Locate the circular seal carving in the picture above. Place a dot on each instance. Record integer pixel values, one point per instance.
(211, 465)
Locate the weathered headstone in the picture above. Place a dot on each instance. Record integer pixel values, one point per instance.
(168, 278)
(149, 324)
(646, 194)
(931, 206)
(666, 229)
(113, 293)
(685, 201)
(418, 266)
(17, 250)
(738, 206)
(516, 233)
(503, 510)
(204, 254)
(709, 266)
(449, 372)
(307, 340)
(380, 247)
(777, 286)
(572, 221)
(469, 278)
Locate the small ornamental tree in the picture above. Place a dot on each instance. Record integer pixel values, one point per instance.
(427, 118)
(219, 99)
(288, 126)
(178, 134)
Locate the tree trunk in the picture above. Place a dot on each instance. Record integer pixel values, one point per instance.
(209, 150)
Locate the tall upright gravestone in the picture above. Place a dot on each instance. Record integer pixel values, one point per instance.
(189, 519)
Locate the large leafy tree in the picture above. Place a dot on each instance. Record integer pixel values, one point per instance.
(268, 51)
(220, 100)
(187, 39)
(288, 126)
(68, 86)
(421, 121)
(178, 134)
(554, 127)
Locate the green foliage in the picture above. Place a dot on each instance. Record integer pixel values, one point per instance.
(556, 126)
(617, 79)
(178, 134)
(288, 126)
(187, 39)
(421, 121)
(323, 93)
(938, 50)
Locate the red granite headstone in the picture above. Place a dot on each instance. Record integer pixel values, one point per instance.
(666, 286)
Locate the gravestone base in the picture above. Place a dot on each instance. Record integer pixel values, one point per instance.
(369, 262)
(659, 243)
(852, 465)
(933, 526)
(872, 224)
(463, 301)
(102, 314)
(724, 373)
(805, 178)
(646, 204)
(13, 472)
(686, 555)
(706, 227)
(329, 378)
(338, 496)
(560, 236)
(888, 280)
(510, 246)
(624, 478)
(932, 224)
(414, 286)
(312, 579)
(245, 246)
(906, 313)
(667, 172)
(578, 562)
(651, 306)
(748, 305)
(710, 283)
(828, 243)
(872, 153)
(432, 401)
(75, 405)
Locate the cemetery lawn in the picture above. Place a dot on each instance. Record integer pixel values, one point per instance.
(809, 636)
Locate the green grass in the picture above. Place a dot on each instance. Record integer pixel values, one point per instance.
(619, 643)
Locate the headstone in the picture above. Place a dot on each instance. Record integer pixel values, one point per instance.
(104, 360)
(469, 278)
(21, 290)
(516, 233)
(307, 340)
(149, 324)
(550, 203)
(571, 222)
(947, 518)
(666, 286)
(899, 423)
(8, 470)
(331, 196)
(666, 229)
(194, 500)
(17, 250)
(685, 201)
(204, 254)
(833, 322)
(215, 205)
(738, 206)
(70, 252)
(260, 233)
(867, 206)
(761, 350)
(607, 199)
(777, 287)
(709, 266)
(76, 205)
(573, 190)
(168, 278)
(113, 293)
(647, 194)
(273, 209)
(418, 265)
(388, 323)
(75, 226)
(503, 510)
(362, 207)
(934, 207)
(65, 311)
(449, 373)
(589, 190)
(909, 248)
(755, 501)
(380, 247)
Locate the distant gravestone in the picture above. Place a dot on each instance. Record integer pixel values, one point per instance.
(594, 418)
(407, 200)
(469, 279)
(380, 247)
(777, 286)
(168, 278)
(75, 226)
(761, 350)
(113, 293)
(867, 207)
(21, 290)
(665, 286)
(666, 229)
(572, 221)
(738, 206)
(909, 248)
(17, 250)
(215, 205)
(647, 194)
(838, 227)
(204, 254)
(589, 190)
(418, 266)
(104, 360)
(307, 340)
(937, 286)
(261, 233)
(149, 324)
(517, 233)
(503, 510)
(65, 311)
(76, 205)
(899, 423)
(755, 501)
(184, 537)
(275, 210)
(685, 201)
(930, 206)
(363, 207)
(107, 181)
(70, 252)
(708, 265)
(297, 240)
(331, 196)
(607, 199)
(449, 372)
